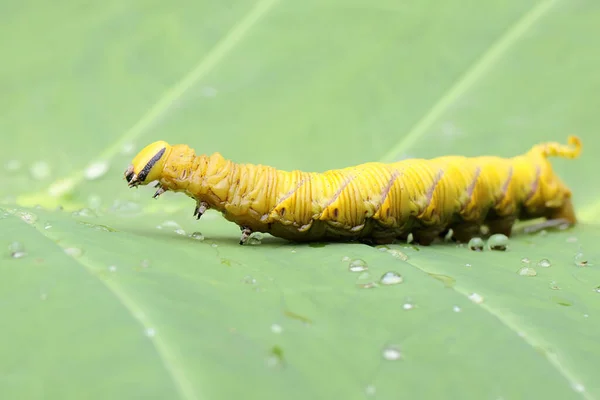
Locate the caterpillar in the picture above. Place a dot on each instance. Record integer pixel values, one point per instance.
(372, 202)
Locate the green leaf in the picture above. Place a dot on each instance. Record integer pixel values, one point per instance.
(112, 295)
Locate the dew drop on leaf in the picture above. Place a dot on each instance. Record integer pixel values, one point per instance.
(255, 239)
(391, 353)
(391, 278)
(73, 252)
(28, 217)
(40, 170)
(456, 309)
(16, 250)
(581, 260)
(276, 328)
(95, 170)
(150, 332)
(468, 265)
(498, 242)
(47, 226)
(408, 306)
(476, 298)
(527, 271)
(544, 263)
(364, 281)
(358, 265)
(249, 280)
(84, 212)
(197, 236)
(554, 285)
(476, 244)
(578, 387)
(597, 289)
(370, 390)
(525, 261)
(179, 231)
(112, 268)
(346, 259)
(398, 254)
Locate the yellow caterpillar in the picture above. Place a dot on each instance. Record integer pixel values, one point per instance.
(372, 202)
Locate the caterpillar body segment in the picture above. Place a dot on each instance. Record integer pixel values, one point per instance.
(374, 201)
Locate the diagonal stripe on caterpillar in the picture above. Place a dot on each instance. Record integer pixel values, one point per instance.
(372, 202)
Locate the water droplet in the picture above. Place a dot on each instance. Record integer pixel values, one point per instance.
(525, 260)
(597, 289)
(127, 148)
(346, 259)
(370, 390)
(476, 244)
(468, 265)
(275, 357)
(47, 226)
(398, 254)
(179, 231)
(382, 247)
(409, 238)
(554, 285)
(98, 227)
(276, 328)
(391, 278)
(40, 170)
(581, 260)
(16, 250)
(498, 242)
(294, 251)
(364, 281)
(150, 332)
(197, 235)
(456, 309)
(408, 306)
(358, 265)
(13, 165)
(214, 245)
(169, 224)
(527, 271)
(476, 298)
(578, 387)
(26, 216)
(112, 268)
(73, 252)
(391, 353)
(544, 263)
(84, 212)
(255, 239)
(249, 280)
(95, 170)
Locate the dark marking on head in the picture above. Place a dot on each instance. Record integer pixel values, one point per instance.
(129, 176)
(282, 211)
(144, 172)
(336, 212)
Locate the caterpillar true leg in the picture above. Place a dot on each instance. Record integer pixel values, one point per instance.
(246, 232)
(160, 191)
(201, 207)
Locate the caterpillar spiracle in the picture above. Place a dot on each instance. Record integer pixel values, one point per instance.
(372, 202)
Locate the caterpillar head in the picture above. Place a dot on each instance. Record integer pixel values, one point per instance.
(148, 165)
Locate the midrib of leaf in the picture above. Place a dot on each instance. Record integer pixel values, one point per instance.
(166, 355)
(513, 325)
(487, 60)
(235, 35)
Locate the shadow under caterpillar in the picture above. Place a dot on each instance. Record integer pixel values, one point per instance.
(372, 202)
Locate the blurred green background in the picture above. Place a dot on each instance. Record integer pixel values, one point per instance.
(114, 296)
